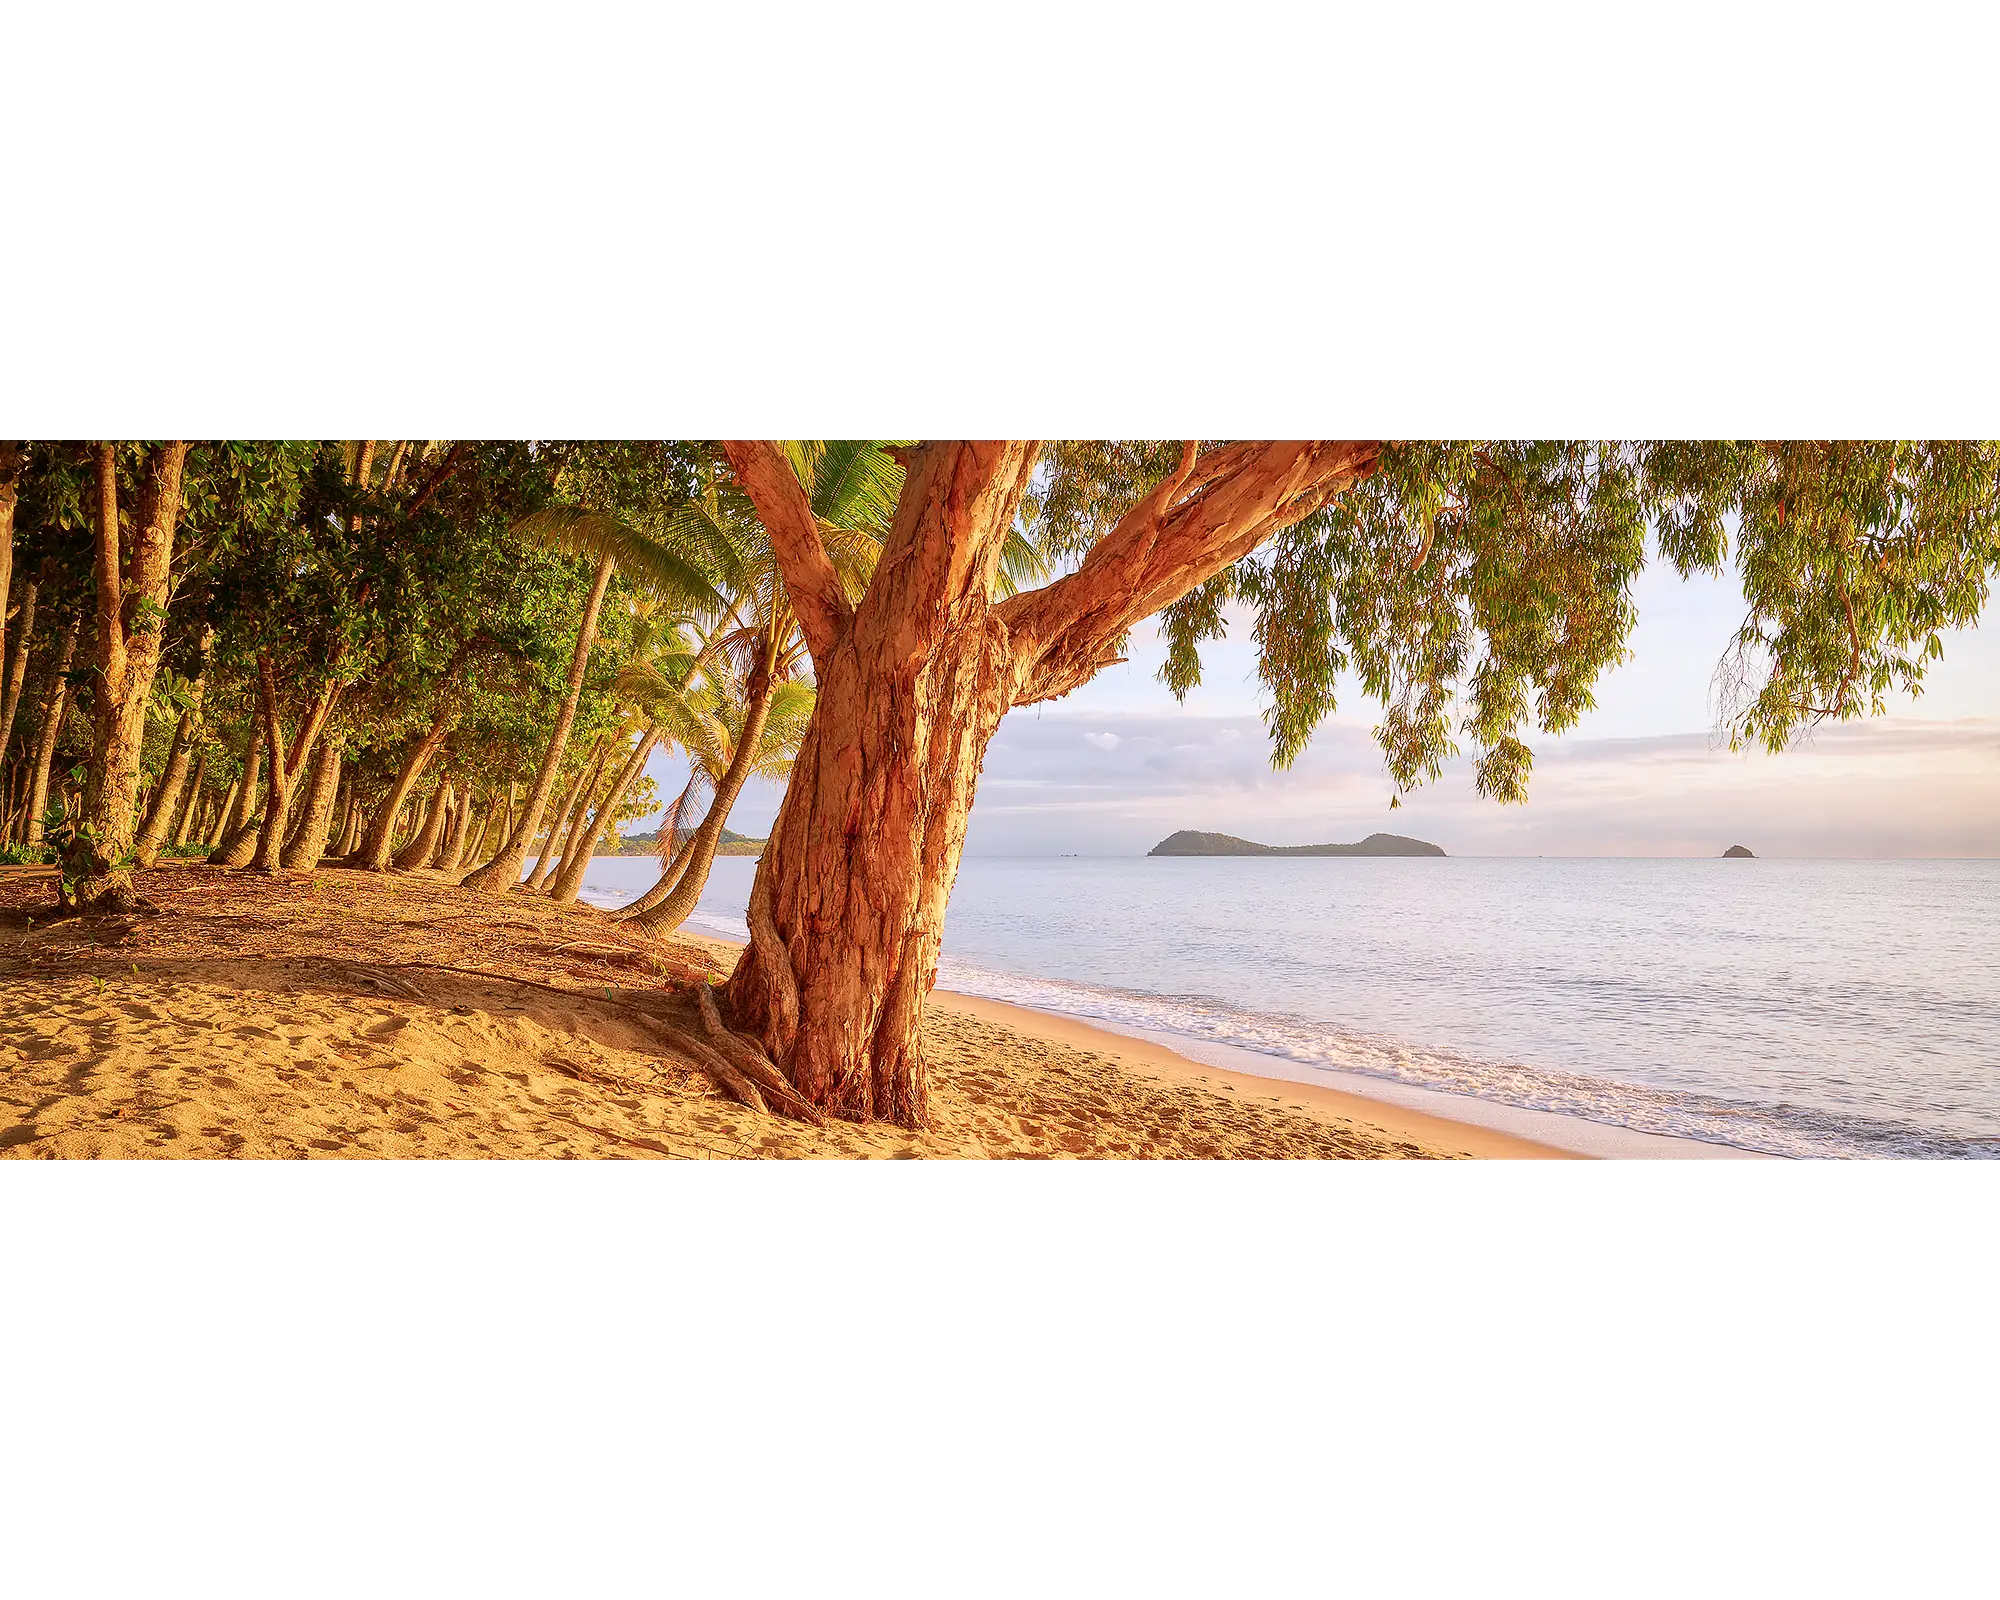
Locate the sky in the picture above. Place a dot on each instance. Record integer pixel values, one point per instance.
(1119, 765)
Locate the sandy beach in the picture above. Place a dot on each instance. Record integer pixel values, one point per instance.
(315, 1016)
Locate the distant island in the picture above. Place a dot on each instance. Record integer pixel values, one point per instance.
(648, 844)
(1189, 842)
(1737, 852)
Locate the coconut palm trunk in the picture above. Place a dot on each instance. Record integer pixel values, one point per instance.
(569, 881)
(13, 460)
(45, 745)
(504, 870)
(671, 912)
(563, 817)
(566, 848)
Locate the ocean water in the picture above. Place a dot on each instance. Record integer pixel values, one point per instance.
(1798, 1008)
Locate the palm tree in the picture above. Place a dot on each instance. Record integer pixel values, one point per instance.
(663, 565)
(708, 722)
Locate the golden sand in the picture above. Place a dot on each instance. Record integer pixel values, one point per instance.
(305, 1016)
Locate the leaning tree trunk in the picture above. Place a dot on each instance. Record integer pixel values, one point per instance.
(238, 835)
(672, 864)
(45, 745)
(504, 870)
(451, 853)
(194, 799)
(569, 881)
(699, 855)
(373, 856)
(565, 848)
(424, 840)
(563, 815)
(167, 792)
(132, 575)
(13, 460)
(847, 910)
(286, 764)
(308, 841)
(17, 664)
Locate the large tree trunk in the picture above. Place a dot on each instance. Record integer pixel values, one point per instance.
(847, 911)
(308, 841)
(132, 575)
(583, 844)
(45, 744)
(504, 870)
(17, 663)
(699, 856)
(167, 792)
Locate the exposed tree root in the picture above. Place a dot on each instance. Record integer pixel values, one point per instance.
(752, 1062)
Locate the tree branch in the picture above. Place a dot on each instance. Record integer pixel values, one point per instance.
(818, 600)
(1211, 512)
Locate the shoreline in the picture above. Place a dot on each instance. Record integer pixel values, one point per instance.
(1486, 1129)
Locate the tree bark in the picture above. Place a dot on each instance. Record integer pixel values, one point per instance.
(17, 663)
(673, 859)
(13, 459)
(566, 841)
(307, 844)
(504, 870)
(167, 792)
(194, 799)
(424, 841)
(286, 764)
(132, 577)
(373, 856)
(847, 910)
(569, 881)
(45, 745)
(451, 853)
(561, 819)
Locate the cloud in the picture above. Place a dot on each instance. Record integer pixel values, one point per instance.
(1894, 786)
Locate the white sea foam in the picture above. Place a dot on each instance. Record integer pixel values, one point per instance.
(1795, 1008)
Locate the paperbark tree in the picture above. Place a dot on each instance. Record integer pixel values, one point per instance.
(847, 911)
(132, 570)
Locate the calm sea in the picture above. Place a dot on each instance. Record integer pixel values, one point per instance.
(1800, 1008)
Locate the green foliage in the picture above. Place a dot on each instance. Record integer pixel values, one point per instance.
(1478, 590)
